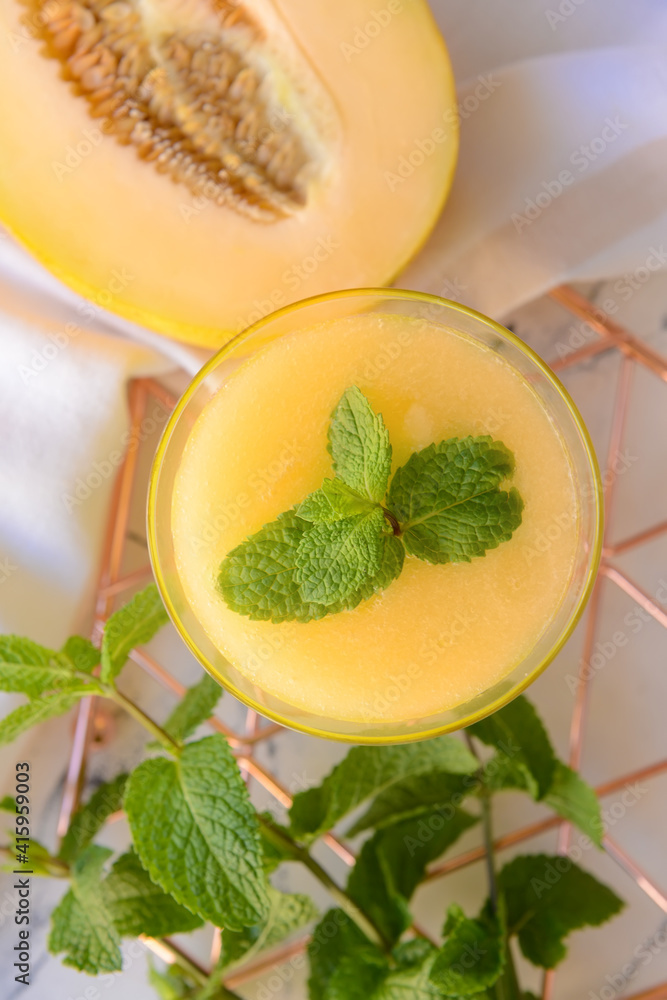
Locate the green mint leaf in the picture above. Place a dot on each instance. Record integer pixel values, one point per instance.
(81, 925)
(138, 906)
(473, 957)
(196, 833)
(391, 563)
(449, 502)
(133, 625)
(8, 804)
(368, 771)
(344, 964)
(359, 445)
(31, 669)
(413, 797)
(26, 716)
(413, 952)
(257, 578)
(332, 502)
(412, 980)
(86, 822)
(79, 654)
(169, 985)
(547, 898)
(332, 560)
(392, 555)
(288, 912)
(571, 797)
(196, 707)
(525, 753)
(393, 863)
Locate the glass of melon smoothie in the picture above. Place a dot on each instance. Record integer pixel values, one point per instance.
(442, 645)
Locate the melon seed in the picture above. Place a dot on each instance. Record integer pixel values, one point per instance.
(191, 102)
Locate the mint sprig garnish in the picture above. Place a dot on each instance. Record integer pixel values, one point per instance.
(348, 540)
(199, 850)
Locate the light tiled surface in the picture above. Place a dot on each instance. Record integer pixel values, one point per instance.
(625, 729)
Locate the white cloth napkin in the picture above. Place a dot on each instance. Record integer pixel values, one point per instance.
(63, 415)
(562, 175)
(543, 80)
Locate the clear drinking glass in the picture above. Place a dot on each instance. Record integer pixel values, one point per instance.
(451, 315)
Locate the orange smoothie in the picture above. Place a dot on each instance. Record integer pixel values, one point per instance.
(439, 635)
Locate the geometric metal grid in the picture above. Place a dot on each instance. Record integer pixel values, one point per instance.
(111, 584)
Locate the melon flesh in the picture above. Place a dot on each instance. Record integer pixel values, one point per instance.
(320, 161)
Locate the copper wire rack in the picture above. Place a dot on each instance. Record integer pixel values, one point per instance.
(112, 584)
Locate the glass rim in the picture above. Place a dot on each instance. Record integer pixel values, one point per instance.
(596, 549)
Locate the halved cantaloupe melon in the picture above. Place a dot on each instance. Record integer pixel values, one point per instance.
(194, 164)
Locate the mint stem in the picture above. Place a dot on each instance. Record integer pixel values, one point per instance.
(280, 838)
(195, 972)
(299, 853)
(507, 987)
(392, 520)
(170, 744)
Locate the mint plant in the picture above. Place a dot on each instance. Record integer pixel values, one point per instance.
(348, 539)
(200, 853)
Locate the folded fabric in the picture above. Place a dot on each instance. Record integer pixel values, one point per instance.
(562, 176)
